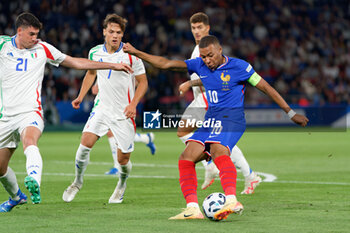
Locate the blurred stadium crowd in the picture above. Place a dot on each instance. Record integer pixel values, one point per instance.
(300, 47)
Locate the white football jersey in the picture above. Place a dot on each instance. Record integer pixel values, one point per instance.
(200, 99)
(116, 89)
(22, 73)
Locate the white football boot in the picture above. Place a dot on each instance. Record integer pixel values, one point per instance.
(71, 191)
(118, 194)
(251, 184)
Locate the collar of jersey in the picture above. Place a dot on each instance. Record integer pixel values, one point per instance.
(226, 60)
(13, 41)
(120, 47)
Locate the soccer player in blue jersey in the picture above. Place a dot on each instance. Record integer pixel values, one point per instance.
(196, 111)
(224, 79)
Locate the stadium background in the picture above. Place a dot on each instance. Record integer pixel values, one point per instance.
(302, 48)
(290, 44)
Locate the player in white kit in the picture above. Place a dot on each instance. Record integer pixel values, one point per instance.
(146, 138)
(197, 109)
(114, 108)
(22, 63)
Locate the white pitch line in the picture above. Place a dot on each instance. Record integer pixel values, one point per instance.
(268, 177)
(199, 178)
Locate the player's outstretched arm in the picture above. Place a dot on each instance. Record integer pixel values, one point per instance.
(130, 110)
(270, 91)
(186, 86)
(156, 61)
(86, 64)
(88, 80)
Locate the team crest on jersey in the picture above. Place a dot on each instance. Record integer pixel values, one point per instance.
(225, 79)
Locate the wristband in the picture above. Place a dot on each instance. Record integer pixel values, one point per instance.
(291, 113)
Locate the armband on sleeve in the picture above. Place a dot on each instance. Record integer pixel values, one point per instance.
(254, 79)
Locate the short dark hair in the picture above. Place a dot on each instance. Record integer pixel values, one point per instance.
(200, 17)
(27, 19)
(114, 18)
(208, 40)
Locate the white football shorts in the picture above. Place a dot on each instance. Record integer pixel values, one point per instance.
(12, 127)
(122, 129)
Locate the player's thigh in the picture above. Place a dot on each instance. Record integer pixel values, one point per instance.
(217, 150)
(31, 128)
(124, 134)
(9, 136)
(5, 156)
(193, 151)
(95, 127)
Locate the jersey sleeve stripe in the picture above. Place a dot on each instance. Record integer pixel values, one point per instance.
(254, 79)
(47, 51)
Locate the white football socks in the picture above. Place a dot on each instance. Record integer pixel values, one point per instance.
(113, 146)
(141, 137)
(124, 171)
(192, 204)
(82, 158)
(34, 162)
(10, 184)
(239, 160)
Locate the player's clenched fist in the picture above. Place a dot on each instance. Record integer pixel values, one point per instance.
(76, 103)
(128, 48)
(300, 120)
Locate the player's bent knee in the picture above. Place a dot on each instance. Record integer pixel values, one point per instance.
(186, 156)
(89, 139)
(123, 161)
(28, 141)
(3, 170)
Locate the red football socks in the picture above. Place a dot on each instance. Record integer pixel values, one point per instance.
(228, 174)
(188, 180)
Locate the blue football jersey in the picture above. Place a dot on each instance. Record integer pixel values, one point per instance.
(226, 85)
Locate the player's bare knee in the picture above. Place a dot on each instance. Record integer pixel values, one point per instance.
(3, 170)
(123, 158)
(123, 161)
(28, 141)
(89, 139)
(186, 155)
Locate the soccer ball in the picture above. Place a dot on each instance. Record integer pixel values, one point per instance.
(212, 203)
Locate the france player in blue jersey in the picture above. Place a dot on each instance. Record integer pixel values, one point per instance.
(224, 79)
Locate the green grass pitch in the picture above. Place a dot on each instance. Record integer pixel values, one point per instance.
(310, 194)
